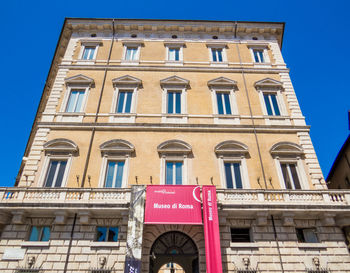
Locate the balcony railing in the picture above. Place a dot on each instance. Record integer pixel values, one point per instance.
(122, 196)
(284, 197)
(65, 195)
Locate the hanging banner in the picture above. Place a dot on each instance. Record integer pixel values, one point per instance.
(173, 204)
(135, 230)
(211, 230)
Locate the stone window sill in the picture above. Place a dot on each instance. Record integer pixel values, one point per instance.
(35, 244)
(244, 245)
(311, 245)
(104, 244)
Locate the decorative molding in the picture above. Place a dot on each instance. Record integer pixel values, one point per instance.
(223, 82)
(61, 145)
(286, 148)
(231, 147)
(174, 147)
(127, 80)
(116, 146)
(80, 79)
(268, 83)
(175, 80)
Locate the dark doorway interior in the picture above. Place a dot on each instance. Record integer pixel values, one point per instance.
(174, 247)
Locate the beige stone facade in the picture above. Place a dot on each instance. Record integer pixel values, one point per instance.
(126, 100)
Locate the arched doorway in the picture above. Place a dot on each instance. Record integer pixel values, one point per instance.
(174, 247)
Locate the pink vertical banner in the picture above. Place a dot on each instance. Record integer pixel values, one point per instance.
(211, 230)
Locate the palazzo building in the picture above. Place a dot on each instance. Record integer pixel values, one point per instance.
(131, 103)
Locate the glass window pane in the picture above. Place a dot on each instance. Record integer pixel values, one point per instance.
(79, 102)
(178, 173)
(51, 173)
(171, 54)
(177, 54)
(71, 101)
(275, 105)
(220, 106)
(295, 177)
(128, 54)
(170, 103)
(227, 104)
(178, 102)
(310, 236)
(238, 178)
(228, 174)
(220, 54)
(213, 53)
(34, 234)
(268, 105)
(128, 102)
(119, 178)
(169, 173)
(256, 57)
(45, 234)
(60, 174)
(120, 105)
(113, 234)
(101, 234)
(261, 55)
(286, 178)
(110, 174)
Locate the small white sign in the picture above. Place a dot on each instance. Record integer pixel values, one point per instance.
(13, 254)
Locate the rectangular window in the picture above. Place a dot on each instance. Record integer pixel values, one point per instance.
(290, 176)
(131, 54)
(306, 235)
(173, 174)
(174, 102)
(233, 175)
(258, 55)
(224, 106)
(39, 234)
(124, 102)
(107, 234)
(89, 52)
(114, 174)
(216, 54)
(271, 104)
(240, 235)
(55, 173)
(75, 101)
(174, 54)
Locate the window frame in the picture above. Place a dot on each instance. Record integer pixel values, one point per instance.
(216, 46)
(64, 177)
(117, 158)
(108, 228)
(174, 84)
(174, 45)
(289, 153)
(232, 152)
(115, 150)
(264, 49)
(249, 231)
(40, 235)
(88, 43)
(45, 168)
(129, 84)
(168, 160)
(131, 44)
(174, 158)
(303, 240)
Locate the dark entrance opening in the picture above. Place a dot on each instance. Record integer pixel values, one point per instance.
(174, 247)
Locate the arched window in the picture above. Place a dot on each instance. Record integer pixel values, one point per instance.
(174, 162)
(232, 164)
(289, 165)
(116, 154)
(57, 162)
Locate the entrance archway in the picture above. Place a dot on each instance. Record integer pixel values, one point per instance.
(174, 247)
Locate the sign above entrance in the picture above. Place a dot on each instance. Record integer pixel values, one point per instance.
(173, 204)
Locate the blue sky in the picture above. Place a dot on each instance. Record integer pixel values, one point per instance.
(315, 48)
